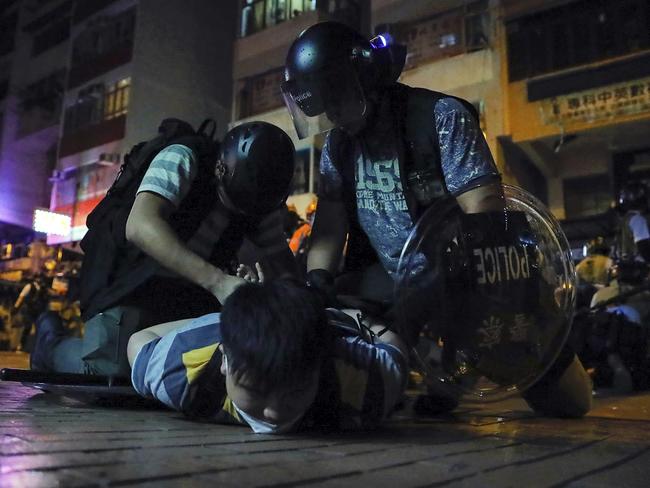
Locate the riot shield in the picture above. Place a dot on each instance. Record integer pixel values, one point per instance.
(487, 298)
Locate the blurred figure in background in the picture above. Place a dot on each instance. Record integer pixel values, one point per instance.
(594, 270)
(32, 302)
(292, 220)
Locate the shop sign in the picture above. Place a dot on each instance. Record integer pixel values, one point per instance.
(631, 97)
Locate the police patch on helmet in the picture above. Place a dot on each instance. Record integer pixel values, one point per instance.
(491, 295)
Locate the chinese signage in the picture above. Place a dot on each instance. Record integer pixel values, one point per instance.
(631, 97)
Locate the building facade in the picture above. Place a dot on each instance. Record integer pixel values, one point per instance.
(133, 63)
(34, 41)
(561, 85)
(578, 99)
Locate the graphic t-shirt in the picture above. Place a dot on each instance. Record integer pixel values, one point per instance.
(381, 204)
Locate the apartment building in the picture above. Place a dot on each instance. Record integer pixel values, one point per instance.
(133, 63)
(561, 85)
(578, 99)
(34, 41)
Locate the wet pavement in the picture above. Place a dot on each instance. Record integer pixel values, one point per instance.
(51, 441)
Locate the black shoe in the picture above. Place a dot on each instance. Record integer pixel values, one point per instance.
(49, 332)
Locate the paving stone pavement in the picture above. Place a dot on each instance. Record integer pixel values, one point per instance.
(52, 441)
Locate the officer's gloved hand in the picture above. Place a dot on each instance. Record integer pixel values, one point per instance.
(322, 282)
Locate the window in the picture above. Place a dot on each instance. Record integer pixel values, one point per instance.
(96, 103)
(261, 93)
(257, 15)
(44, 94)
(103, 35)
(52, 36)
(590, 195)
(579, 33)
(117, 99)
(447, 34)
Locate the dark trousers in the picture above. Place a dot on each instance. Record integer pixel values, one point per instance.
(102, 349)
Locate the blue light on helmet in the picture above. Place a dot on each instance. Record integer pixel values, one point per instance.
(381, 41)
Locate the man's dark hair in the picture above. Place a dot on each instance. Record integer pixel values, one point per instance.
(275, 333)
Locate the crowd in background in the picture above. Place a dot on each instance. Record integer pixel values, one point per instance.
(50, 287)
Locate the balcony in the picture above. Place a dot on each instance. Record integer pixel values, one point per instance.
(83, 72)
(260, 94)
(265, 49)
(83, 10)
(443, 35)
(93, 136)
(102, 46)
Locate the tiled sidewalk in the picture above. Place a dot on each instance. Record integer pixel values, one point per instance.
(49, 441)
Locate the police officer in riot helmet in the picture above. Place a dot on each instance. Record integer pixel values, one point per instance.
(338, 79)
(391, 152)
(183, 232)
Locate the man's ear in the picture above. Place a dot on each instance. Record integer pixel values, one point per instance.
(224, 365)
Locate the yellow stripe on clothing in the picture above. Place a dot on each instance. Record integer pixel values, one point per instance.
(230, 409)
(196, 359)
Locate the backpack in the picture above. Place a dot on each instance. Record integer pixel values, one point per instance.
(112, 267)
(420, 162)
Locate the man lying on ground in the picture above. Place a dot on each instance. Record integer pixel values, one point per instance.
(272, 361)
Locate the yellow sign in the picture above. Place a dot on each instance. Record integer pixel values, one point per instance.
(631, 97)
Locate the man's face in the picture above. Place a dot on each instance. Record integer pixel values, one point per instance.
(275, 406)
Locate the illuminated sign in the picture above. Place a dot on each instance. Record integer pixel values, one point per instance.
(631, 97)
(51, 222)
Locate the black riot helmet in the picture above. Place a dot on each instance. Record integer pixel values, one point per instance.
(633, 196)
(329, 72)
(256, 168)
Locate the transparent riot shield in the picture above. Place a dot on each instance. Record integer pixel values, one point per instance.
(486, 299)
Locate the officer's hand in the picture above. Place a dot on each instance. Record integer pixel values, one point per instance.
(251, 275)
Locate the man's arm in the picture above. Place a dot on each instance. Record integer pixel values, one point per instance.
(139, 339)
(328, 237)
(148, 228)
(23, 295)
(487, 198)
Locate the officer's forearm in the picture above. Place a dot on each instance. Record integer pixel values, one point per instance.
(328, 236)
(487, 198)
(156, 238)
(326, 248)
(324, 255)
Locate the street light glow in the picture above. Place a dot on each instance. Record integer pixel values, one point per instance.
(51, 222)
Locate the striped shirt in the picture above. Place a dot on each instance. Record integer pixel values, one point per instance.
(368, 379)
(171, 174)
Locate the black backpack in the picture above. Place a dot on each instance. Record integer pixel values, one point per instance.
(419, 152)
(111, 267)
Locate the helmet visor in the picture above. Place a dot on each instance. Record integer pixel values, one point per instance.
(324, 100)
